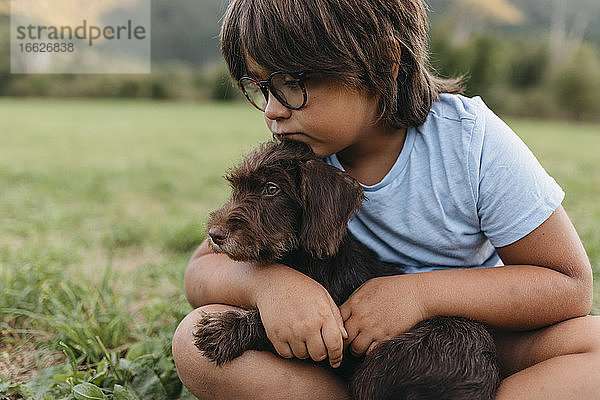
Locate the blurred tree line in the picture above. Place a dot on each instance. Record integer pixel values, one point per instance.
(535, 58)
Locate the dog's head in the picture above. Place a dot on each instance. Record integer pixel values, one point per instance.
(284, 198)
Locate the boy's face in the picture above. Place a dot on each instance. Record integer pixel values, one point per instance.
(334, 118)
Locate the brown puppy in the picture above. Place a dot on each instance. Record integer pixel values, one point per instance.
(288, 206)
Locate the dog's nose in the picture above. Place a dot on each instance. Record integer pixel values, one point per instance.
(217, 234)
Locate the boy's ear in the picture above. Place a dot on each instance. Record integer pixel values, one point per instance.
(330, 197)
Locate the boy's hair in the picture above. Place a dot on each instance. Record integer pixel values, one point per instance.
(357, 41)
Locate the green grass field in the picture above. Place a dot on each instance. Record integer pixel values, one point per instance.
(101, 205)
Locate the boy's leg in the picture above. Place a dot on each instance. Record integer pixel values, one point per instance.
(254, 375)
(558, 362)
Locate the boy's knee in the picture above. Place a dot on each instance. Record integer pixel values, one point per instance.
(520, 350)
(581, 335)
(593, 335)
(185, 354)
(196, 372)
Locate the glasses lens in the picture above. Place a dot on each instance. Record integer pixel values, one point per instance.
(253, 93)
(287, 90)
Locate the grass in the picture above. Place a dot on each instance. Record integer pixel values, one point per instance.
(101, 205)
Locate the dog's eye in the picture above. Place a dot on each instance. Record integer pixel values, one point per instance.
(271, 189)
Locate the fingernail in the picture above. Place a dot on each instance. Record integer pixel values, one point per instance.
(344, 332)
(336, 364)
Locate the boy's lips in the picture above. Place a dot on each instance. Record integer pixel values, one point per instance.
(285, 134)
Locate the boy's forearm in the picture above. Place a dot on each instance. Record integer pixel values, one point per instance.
(547, 279)
(220, 283)
(215, 278)
(517, 297)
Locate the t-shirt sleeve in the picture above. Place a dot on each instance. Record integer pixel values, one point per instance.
(513, 193)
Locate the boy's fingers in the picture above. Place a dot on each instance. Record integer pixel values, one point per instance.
(353, 332)
(334, 343)
(371, 347)
(338, 318)
(360, 345)
(283, 349)
(299, 349)
(345, 311)
(316, 348)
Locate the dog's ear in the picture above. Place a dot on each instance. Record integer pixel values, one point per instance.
(330, 197)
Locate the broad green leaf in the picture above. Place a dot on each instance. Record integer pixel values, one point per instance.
(121, 394)
(145, 383)
(88, 391)
(101, 372)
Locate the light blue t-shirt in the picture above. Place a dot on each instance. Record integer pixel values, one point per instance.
(463, 184)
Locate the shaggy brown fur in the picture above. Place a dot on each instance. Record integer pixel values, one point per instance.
(288, 206)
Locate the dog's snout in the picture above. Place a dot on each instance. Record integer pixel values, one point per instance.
(217, 234)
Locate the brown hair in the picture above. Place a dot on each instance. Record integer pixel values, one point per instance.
(357, 40)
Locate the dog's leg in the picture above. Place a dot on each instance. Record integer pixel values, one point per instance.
(447, 358)
(224, 336)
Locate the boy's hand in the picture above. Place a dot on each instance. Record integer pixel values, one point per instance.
(299, 315)
(380, 309)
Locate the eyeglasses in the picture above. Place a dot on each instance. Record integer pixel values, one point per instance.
(288, 89)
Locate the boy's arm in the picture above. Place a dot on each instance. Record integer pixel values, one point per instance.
(299, 316)
(214, 278)
(547, 278)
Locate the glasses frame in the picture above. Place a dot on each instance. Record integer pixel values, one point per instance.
(266, 86)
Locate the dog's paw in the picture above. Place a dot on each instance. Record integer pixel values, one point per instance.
(219, 335)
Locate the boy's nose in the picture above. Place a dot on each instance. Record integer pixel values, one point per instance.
(275, 110)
